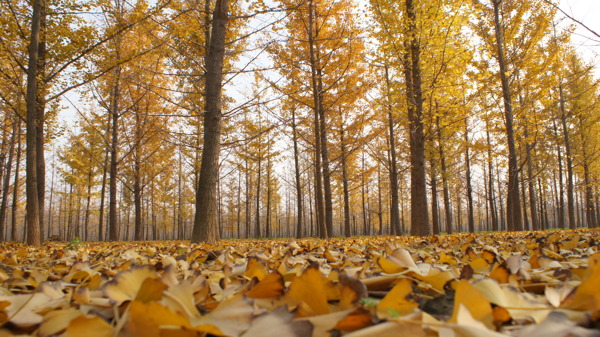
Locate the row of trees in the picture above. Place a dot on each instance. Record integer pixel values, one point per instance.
(210, 119)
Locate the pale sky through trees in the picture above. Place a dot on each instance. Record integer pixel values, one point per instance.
(587, 12)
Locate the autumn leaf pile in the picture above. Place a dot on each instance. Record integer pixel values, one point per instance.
(521, 284)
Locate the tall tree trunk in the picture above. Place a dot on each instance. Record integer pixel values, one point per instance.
(248, 199)
(531, 185)
(33, 202)
(570, 190)
(490, 169)
(434, 198)
(50, 202)
(590, 211)
(205, 220)
(394, 212)
(40, 116)
(137, 201)
(15, 200)
(299, 198)
(7, 176)
(560, 192)
(379, 200)
(364, 193)
(88, 199)
(320, 195)
(447, 204)
(347, 231)
(513, 207)
(257, 218)
(101, 233)
(419, 215)
(470, 210)
(113, 226)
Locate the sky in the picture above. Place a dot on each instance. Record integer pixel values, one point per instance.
(587, 12)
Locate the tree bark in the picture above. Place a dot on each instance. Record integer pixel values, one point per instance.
(513, 208)
(418, 188)
(299, 198)
(347, 230)
(318, 126)
(394, 212)
(33, 202)
(7, 176)
(470, 210)
(570, 190)
(205, 219)
(15, 204)
(113, 227)
(490, 169)
(434, 199)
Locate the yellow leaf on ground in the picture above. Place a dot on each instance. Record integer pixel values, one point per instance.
(271, 285)
(147, 318)
(473, 300)
(57, 321)
(150, 290)
(398, 301)
(308, 291)
(587, 296)
(256, 268)
(480, 265)
(93, 326)
(231, 318)
(126, 284)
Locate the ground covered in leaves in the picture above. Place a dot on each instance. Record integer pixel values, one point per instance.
(520, 284)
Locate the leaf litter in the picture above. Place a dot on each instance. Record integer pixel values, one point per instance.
(485, 284)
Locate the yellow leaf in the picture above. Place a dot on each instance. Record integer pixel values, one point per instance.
(271, 285)
(150, 290)
(479, 306)
(587, 296)
(126, 284)
(500, 274)
(146, 319)
(398, 301)
(93, 326)
(56, 321)
(308, 291)
(480, 265)
(256, 268)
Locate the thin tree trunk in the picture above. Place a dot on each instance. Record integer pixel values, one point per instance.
(299, 225)
(434, 199)
(7, 176)
(87, 208)
(347, 231)
(205, 220)
(560, 192)
(532, 200)
(470, 210)
(257, 217)
(570, 190)
(15, 200)
(490, 169)
(50, 205)
(101, 236)
(394, 213)
(113, 227)
(447, 205)
(590, 211)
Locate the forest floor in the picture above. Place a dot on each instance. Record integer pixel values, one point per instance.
(485, 284)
